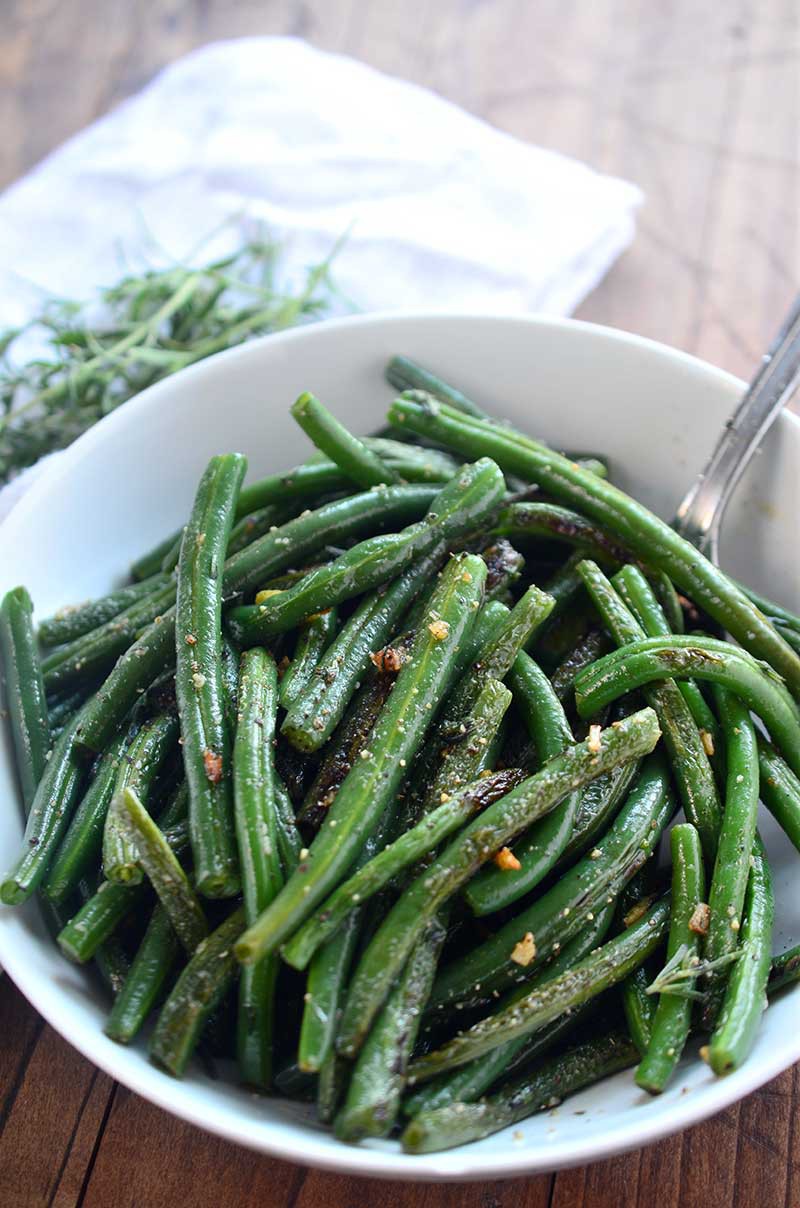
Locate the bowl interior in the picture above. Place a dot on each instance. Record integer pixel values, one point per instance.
(653, 411)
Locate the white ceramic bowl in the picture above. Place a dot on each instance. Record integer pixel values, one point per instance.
(130, 480)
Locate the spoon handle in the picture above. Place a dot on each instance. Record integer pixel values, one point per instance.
(699, 515)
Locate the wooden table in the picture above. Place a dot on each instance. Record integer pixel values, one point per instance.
(698, 102)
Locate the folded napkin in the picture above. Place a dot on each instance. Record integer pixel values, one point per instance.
(442, 210)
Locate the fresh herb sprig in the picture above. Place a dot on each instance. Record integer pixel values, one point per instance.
(149, 325)
(679, 975)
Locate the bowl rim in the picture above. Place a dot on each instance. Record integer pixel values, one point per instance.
(258, 1134)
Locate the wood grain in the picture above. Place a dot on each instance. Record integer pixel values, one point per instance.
(696, 101)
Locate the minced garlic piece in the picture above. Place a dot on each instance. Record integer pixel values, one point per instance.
(701, 917)
(439, 629)
(506, 860)
(212, 764)
(638, 910)
(593, 742)
(388, 659)
(524, 952)
(267, 593)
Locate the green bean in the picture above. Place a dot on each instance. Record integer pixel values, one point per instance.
(468, 1082)
(62, 709)
(732, 865)
(164, 872)
(54, 801)
(98, 918)
(79, 851)
(290, 841)
(405, 374)
(87, 657)
(348, 739)
(668, 600)
(600, 802)
(198, 991)
(314, 715)
(102, 913)
(559, 914)
(784, 970)
(372, 783)
(255, 1023)
(504, 565)
(549, 520)
(565, 585)
(294, 574)
(323, 477)
(489, 633)
(494, 658)
(112, 963)
(790, 635)
(639, 529)
(137, 769)
(254, 782)
(256, 524)
(652, 659)
(540, 1088)
(586, 651)
(331, 1085)
(638, 1007)
(562, 636)
(776, 612)
(780, 790)
(327, 974)
(745, 996)
(498, 654)
(413, 462)
(150, 563)
(690, 766)
(25, 693)
(674, 1012)
(539, 848)
(314, 637)
(604, 967)
(382, 868)
(142, 662)
(155, 959)
(308, 482)
(640, 598)
(176, 810)
(229, 669)
(466, 756)
(379, 1076)
(198, 678)
(170, 560)
(360, 464)
(467, 501)
(592, 462)
(498, 824)
(57, 914)
(259, 852)
(329, 970)
(75, 620)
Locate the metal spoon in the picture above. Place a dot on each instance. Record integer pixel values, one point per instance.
(699, 516)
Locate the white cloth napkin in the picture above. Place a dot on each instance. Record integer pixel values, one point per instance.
(443, 211)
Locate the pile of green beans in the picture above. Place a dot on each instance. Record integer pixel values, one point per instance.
(361, 780)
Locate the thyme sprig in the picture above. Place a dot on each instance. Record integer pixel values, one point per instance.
(98, 354)
(679, 976)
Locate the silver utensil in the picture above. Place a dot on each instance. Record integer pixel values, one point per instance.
(700, 513)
